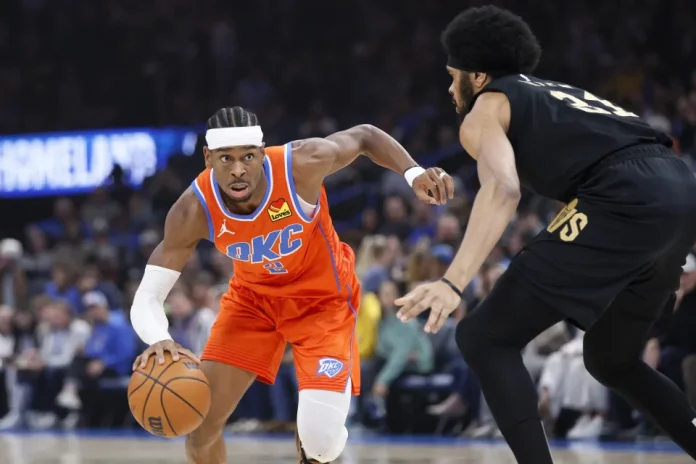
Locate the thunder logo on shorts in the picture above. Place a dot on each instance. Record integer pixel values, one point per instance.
(329, 367)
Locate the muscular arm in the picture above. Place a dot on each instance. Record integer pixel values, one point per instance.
(185, 225)
(315, 159)
(483, 135)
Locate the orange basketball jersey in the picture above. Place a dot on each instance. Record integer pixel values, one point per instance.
(278, 250)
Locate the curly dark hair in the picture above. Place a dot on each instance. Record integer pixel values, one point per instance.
(491, 40)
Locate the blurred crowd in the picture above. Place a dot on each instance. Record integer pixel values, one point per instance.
(68, 279)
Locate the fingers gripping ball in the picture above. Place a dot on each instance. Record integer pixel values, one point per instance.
(170, 399)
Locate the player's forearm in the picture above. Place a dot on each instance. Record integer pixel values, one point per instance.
(493, 208)
(147, 313)
(384, 150)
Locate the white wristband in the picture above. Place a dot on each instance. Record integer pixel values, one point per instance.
(147, 313)
(411, 174)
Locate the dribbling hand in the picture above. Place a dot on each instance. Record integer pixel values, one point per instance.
(158, 350)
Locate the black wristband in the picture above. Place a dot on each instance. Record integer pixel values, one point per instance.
(460, 293)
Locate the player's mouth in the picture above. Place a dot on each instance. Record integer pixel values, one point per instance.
(238, 190)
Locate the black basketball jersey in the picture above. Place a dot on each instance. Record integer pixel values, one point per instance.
(559, 132)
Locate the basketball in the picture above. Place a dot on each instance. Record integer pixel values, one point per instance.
(171, 399)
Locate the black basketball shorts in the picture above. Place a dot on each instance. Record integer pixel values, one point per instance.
(634, 219)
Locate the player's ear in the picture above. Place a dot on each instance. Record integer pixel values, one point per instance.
(208, 156)
(481, 79)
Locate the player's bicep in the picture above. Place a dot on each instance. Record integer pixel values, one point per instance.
(184, 227)
(483, 135)
(322, 157)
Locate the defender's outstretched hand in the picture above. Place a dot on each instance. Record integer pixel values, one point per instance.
(438, 296)
(437, 182)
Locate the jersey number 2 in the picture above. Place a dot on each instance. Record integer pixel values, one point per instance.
(275, 267)
(582, 105)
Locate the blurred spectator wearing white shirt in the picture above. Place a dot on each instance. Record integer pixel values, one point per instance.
(6, 350)
(569, 396)
(61, 337)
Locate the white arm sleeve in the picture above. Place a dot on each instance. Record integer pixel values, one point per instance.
(147, 313)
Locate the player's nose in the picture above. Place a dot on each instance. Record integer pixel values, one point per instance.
(238, 169)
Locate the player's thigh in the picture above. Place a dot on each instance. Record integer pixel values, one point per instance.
(322, 334)
(245, 336)
(619, 335)
(510, 315)
(586, 257)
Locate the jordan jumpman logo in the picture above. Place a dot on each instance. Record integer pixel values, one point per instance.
(224, 229)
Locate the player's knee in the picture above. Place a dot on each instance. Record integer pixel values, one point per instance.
(206, 434)
(321, 417)
(608, 366)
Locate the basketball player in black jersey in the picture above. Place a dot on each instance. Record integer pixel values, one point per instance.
(610, 261)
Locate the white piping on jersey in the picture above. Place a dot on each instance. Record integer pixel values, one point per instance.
(307, 208)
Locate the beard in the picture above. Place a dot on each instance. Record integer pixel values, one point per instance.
(466, 96)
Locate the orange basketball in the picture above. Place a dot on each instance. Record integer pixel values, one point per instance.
(171, 399)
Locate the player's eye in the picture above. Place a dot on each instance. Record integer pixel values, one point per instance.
(224, 158)
(249, 156)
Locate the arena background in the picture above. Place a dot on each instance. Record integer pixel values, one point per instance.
(102, 107)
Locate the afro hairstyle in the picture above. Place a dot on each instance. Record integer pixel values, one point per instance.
(491, 40)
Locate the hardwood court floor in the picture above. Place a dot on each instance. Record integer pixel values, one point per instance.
(123, 449)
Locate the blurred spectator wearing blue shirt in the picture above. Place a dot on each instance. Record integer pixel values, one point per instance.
(60, 285)
(107, 357)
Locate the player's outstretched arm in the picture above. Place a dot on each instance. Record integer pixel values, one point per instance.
(483, 135)
(315, 159)
(185, 226)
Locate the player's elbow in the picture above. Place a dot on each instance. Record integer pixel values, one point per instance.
(507, 190)
(363, 135)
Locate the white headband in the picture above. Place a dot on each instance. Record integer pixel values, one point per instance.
(234, 137)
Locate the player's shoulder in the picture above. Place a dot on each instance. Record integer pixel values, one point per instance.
(189, 213)
(306, 153)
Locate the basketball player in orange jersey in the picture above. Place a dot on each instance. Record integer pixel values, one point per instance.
(266, 208)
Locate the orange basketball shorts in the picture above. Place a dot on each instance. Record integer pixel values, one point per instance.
(251, 331)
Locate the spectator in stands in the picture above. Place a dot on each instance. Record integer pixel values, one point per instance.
(395, 220)
(188, 327)
(6, 349)
(448, 231)
(569, 397)
(367, 332)
(61, 337)
(21, 368)
(376, 260)
(38, 260)
(107, 357)
(100, 206)
(13, 285)
(403, 348)
(61, 285)
(57, 226)
(437, 261)
(687, 302)
(90, 279)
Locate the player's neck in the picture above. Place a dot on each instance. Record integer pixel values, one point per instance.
(249, 206)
